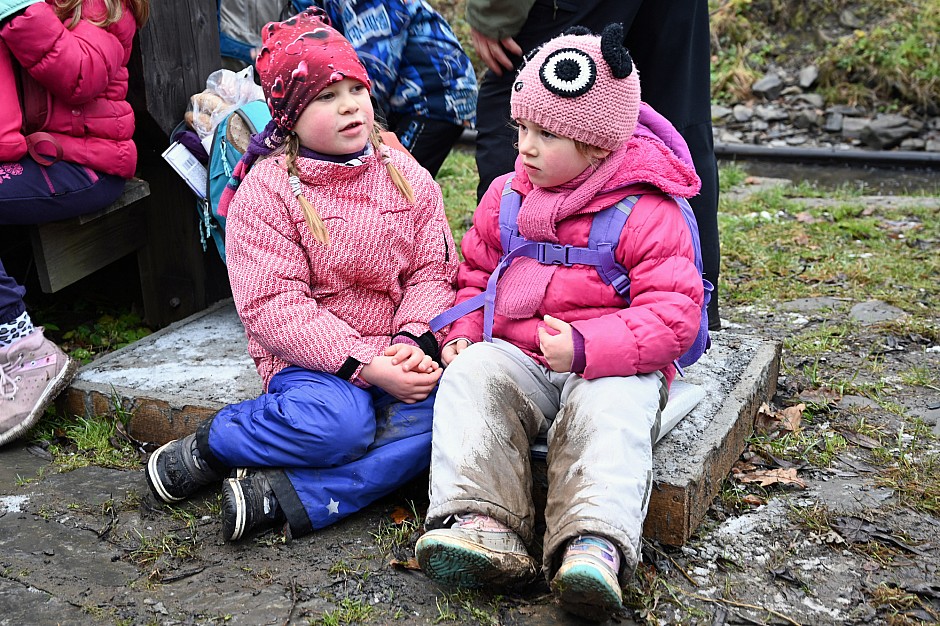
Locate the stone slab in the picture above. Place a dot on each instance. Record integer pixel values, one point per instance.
(172, 380)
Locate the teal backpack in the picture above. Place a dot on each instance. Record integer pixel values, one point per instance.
(224, 154)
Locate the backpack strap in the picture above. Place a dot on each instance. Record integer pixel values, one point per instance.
(605, 237)
(602, 242)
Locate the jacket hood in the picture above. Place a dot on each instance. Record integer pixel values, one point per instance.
(655, 155)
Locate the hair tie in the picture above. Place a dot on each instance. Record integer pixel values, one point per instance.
(385, 153)
(294, 183)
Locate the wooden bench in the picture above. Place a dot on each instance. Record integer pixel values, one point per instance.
(155, 218)
(70, 250)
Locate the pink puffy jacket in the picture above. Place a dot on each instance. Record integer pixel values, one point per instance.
(74, 88)
(655, 246)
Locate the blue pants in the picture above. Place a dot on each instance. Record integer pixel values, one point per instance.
(31, 193)
(334, 448)
(11, 297)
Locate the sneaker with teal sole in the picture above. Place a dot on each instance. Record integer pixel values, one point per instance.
(476, 551)
(586, 583)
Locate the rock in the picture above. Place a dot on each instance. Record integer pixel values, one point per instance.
(770, 113)
(913, 144)
(805, 118)
(833, 123)
(812, 99)
(808, 76)
(742, 113)
(887, 131)
(933, 145)
(852, 126)
(874, 311)
(768, 87)
(847, 18)
(719, 112)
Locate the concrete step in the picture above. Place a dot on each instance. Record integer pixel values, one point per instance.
(179, 376)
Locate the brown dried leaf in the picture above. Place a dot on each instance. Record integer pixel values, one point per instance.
(863, 441)
(791, 417)
(401, 515)
(753, 500)
(773, 477)
(804, 217)
(411, 564)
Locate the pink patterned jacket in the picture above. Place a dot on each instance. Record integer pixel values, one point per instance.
(389, 268)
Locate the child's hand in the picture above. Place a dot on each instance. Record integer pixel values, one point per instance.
(412, 358)
(450, 351)
(409, 387)
(557, 347)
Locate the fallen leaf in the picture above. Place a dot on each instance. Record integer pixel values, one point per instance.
(772, 477)
(753, 500)
(410, 564)
(792, 417)
(806, 218)
(401, 515)
(861, 440)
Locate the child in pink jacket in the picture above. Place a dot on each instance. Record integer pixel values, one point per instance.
(568, 358)
(339, 253)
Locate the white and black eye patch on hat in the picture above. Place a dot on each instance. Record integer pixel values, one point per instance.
(568, 72)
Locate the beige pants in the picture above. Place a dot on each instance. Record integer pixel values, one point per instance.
(494, 400)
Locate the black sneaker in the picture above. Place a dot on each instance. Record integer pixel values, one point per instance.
(248, 503)
(176, 470)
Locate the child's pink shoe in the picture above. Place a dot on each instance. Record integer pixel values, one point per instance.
(33, 371)
(586, 583)
(475, 551)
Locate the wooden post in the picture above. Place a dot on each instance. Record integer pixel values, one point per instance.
(176, 51)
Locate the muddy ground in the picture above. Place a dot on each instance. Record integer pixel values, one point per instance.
(92, 546)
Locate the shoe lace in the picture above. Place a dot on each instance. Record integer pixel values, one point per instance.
(479, 521)
(8, 386)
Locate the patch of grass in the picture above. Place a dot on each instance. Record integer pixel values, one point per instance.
(350, 611)
(392, 537)
(775, 249)
(76, 442)
(152, 549)
(897, 59)
(105, 334)
(458, 180)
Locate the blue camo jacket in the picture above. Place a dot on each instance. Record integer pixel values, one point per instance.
(415, 62)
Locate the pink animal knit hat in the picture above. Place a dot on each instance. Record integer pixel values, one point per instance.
(581, 86)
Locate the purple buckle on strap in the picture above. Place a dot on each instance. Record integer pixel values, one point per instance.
(554, 254)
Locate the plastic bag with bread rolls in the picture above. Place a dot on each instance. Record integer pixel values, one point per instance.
(224, 91)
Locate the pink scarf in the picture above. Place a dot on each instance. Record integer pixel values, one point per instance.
(522, 287)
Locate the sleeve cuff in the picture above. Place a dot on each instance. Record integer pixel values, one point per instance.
(578, 361)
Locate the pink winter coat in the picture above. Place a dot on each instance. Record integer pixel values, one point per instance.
(655, 246)
(388, 269)
(75, 85)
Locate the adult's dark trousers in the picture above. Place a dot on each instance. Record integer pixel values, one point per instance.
(670, 44)
(429, 141)
(31, 193)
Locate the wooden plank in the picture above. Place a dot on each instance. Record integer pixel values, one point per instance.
(679, 504)
(177, 50)
(68, 251)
